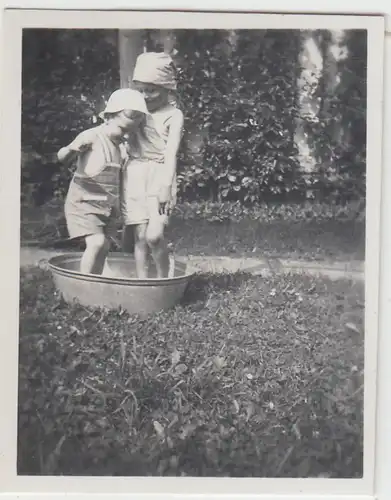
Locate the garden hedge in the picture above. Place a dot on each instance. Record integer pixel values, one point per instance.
(240, 98)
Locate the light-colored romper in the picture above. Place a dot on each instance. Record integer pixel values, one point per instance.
(144, 171)
(93, 201)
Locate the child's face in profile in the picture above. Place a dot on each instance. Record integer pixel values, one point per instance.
(153, 94)
(124, 122)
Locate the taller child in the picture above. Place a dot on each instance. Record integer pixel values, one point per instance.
(150, 176)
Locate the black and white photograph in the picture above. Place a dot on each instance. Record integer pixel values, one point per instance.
(194, 224)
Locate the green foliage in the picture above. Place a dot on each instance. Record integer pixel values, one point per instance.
(239, 93)
(267, 212)
(245, 116)
(67, 75)
(338, 137)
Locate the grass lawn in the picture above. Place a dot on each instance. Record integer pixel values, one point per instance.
(248, 376)
(315, 232)
(310, 240)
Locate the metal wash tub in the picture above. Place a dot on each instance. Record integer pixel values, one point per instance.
(118, 286)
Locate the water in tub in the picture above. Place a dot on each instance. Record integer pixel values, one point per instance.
(125, 270)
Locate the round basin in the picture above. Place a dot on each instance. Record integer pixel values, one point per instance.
(118, 285)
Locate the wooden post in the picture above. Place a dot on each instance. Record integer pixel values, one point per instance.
(131, 45)
(163, 41)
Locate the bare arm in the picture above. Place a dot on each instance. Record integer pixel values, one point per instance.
(170, 160)
(81, 144)
(66, 154)
(173, 143)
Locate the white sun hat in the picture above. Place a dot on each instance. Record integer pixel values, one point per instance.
(123, 99)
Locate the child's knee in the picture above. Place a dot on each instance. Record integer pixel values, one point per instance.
(98, 242)
(140, 235)
(155, 235)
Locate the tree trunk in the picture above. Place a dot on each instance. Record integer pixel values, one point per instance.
(336, 52)
(309, 103)
(131, 45)
(311, 67)
(318, 82)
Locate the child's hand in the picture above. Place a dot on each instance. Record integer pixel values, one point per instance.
(80, 146)
(124, 152)
(83, 142)
(164, 200)
(68, 153)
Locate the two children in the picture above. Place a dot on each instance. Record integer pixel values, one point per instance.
(147, 187)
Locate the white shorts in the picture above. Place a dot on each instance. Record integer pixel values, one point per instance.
(141, 184)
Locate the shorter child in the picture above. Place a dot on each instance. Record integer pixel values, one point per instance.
(93, 198)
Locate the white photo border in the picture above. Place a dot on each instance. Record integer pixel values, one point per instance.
(14, 22)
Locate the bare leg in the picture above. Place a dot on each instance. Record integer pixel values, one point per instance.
(141, 250)
(94, 256)
(158, 246)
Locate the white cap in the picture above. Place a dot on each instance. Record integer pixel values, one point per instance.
(156, 68)
(123, 99)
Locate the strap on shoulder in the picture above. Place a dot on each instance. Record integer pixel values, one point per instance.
(105, 147)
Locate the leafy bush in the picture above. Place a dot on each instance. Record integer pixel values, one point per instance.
(246, 117)
(240, 97)
(338, 137)
(241, 104)
(268, 212)
(67, 74)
